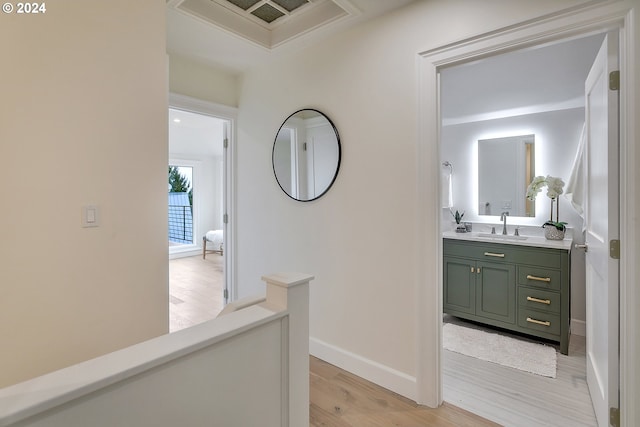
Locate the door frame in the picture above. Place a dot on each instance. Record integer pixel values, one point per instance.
(574, 23)
(230, 115)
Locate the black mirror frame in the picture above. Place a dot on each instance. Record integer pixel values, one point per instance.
(335, 174)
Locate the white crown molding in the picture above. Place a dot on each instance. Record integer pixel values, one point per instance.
(196, 105)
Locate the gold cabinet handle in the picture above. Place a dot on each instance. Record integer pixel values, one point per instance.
(472, 270)
(494, 255)
(539, 279)
(478, 270)
(541, 301)
(538, 322)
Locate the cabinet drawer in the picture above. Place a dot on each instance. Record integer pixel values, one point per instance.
(539, 299)
(497, 252)
(539, 321)
(477, 251)
(539, 277)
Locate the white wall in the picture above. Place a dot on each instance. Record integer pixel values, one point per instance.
(359, 239)
(557, 134)
(209, 203)
(83, 120)
(197, 80)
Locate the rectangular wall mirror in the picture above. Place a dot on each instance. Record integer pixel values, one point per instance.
(506, 166)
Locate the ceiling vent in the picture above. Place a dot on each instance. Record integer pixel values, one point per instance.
(268, 23)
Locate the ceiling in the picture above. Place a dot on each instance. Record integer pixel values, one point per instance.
(193, 136)
(232, 34)
(542, 78)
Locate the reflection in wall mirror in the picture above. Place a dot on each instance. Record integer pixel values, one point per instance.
(306, 155)
(506, 166)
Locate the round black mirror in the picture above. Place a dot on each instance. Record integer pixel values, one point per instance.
(306, 155)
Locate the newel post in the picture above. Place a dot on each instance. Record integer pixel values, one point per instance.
(290, 291)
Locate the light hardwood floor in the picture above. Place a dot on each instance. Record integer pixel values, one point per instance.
(338, 398)
(341, 399)
(196, 288)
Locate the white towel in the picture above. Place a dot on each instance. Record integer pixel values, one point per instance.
(576, 193)
(447, 189)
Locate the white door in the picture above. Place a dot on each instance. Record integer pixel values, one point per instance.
(601, 216)
(227, 203)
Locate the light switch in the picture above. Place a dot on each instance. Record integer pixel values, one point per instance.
(90, 216)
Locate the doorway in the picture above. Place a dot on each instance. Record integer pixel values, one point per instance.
(200, 205)
(574, 25)
(537, 92)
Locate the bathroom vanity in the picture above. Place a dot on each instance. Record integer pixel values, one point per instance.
(516, 283)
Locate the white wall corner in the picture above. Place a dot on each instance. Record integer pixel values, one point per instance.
(578, 327)
(377, 373)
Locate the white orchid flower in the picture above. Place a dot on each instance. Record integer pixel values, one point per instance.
(535, 187)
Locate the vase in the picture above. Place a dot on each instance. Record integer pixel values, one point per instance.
(552, 233)
(461, 228)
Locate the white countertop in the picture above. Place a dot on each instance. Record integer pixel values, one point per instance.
(536, 241)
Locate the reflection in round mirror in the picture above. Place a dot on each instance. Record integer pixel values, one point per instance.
(306, 155)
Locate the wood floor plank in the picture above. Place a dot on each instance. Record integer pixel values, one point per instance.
(196, 288)
(341, 399)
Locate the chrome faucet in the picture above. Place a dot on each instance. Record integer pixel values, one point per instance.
(503, 218)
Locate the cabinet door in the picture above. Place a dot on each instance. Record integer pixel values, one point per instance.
(459, 286)
(496, 296)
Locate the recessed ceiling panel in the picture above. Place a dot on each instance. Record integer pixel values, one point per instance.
(267, 13)
(290, 5)
(243, 4)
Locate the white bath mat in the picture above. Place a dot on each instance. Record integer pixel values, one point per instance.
(530, 357)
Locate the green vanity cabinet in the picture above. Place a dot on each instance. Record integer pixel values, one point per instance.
(478, 288)
(495, 293)
(459, 286)
(520, 288)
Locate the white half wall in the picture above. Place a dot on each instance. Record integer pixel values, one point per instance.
(248, 367)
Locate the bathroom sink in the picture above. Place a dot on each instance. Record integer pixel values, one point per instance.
(501, 236)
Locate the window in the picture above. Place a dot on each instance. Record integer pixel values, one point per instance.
(180, 205)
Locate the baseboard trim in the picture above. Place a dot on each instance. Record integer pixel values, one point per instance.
(190, 250)
(578, 327)
(389, 378)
